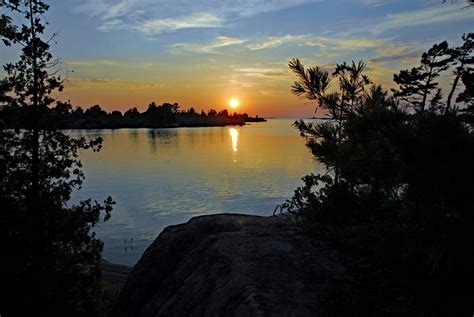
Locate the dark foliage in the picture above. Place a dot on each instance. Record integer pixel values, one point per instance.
(403, 163)
(167, 115)
(469, 2)
(50, 259)
(419, 83)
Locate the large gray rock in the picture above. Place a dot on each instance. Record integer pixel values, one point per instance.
(234, 265)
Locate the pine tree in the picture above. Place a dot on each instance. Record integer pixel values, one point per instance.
(51, 256)
(463, 59)
(418, 84)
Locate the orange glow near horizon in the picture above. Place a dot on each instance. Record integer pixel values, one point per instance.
(111, 96)
(143, 53)
(124, 85)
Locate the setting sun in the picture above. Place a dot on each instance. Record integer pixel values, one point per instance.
(234, 103)
(247, 150)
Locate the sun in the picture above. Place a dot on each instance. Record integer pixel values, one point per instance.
(234, 103)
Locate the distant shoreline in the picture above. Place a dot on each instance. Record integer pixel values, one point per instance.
(172, 126)
(167, 115)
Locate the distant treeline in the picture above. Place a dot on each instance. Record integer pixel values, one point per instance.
(167, 115)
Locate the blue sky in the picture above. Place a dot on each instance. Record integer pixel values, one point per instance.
(123, 53)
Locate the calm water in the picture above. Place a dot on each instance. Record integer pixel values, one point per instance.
(160, 177)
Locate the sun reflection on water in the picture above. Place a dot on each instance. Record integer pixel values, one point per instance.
(166, 173)
(234, 134)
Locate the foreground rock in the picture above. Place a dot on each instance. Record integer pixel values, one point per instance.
(235, 264)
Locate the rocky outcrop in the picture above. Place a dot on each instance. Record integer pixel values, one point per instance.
(234, 265)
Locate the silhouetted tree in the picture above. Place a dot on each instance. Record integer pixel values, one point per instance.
(95, 112)
(408, 174)
(325, 139)
(224, 113)
(467, 96)
(469, 2)
(5, 100)
(462, 57)
(132, 112)
(152, 106)
(51, 257)
(417, 84)
(156, 116)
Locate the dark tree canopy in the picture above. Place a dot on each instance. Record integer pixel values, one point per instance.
(167, 115)
(51, 256)
(400, 164)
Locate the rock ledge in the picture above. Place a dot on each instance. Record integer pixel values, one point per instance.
(233, 264)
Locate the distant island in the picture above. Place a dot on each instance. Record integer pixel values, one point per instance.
(167, 115)
(256, 119)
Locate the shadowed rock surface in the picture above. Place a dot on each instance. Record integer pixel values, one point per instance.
(114, 272)
(234, 264)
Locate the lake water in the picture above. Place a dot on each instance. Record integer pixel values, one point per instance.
(161, 177)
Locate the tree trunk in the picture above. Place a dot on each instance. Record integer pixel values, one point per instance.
(455, 84)
(36, 238)
(426, 91)
(453, 89)
(35, 155)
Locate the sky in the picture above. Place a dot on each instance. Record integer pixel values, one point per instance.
(127, 53)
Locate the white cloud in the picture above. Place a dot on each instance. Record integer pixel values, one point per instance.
(198, 20)
(107, 10)
(261, 71)
(78, 82)
(335, 42)
(163, 15)
(434, 15)
(107, 62)
(276, 41)
(327, 45)
(206, 48)
(375, 3)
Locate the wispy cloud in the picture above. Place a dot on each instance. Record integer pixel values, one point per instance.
(375, 3)
(206, 48)
(108, 64)
(138, 85)
(335, 42)
(404, 57)
(77, 82)
(428, 16)
(261, 71)
(349, 43)
(270, 92)
(330, 47)
(106, 10)
(197, 20)
(92, 63)
(155, 16)
(276, 41)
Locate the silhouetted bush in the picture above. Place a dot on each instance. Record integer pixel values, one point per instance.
(403, 163)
